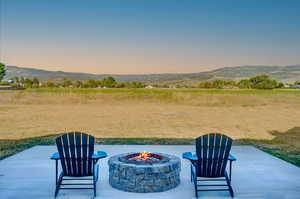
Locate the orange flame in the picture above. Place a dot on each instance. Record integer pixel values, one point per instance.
(144, 156)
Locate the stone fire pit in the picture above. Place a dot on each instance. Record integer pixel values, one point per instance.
(144, 172)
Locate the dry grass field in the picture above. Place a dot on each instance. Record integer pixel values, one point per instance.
(269, 119)
(148, 114)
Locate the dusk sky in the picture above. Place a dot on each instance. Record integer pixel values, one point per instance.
(148, 36)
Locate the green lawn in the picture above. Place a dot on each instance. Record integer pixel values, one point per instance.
(285, 146)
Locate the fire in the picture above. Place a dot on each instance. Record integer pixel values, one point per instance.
(143, 156)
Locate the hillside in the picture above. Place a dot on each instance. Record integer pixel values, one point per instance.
(13, 71)
(282, 73)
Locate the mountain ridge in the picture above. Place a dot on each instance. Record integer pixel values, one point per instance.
(288, 73)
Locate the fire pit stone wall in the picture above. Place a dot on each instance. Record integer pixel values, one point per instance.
(144, 178)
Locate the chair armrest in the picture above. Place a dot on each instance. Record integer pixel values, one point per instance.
(231, 157)
(55, 156)
(99, 155)
(189, 156)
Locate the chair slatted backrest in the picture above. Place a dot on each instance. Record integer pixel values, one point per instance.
(212, 151)
(75, 150)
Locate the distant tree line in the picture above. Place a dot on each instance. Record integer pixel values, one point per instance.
(257, 82)
(108, 82)
(24, 82)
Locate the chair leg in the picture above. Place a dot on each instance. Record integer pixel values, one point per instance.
(192, 173)
(58, 183)
(195, 181)
(195, 186)
(230, 170)
(229, 185)
(95, 188)
(95, 178)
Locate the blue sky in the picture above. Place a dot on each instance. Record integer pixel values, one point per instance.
(148, 36)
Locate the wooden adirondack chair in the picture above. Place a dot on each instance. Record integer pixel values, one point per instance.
(78, 161)
(210, 161)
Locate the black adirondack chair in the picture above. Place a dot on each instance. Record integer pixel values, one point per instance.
(78, 161)
(210, 161)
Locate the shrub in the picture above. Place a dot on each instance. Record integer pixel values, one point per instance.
(66, 83)
(109, 82)
(280, 85)
(205, 85)
(263, 82)
(260, 82)
(90, 84)
(35, 83)
(28, 83)
(77, 84)
(135, 85)
(217, 84)
(2, 71)
(49, 84)
(120, 85)
(245, 83)
(15, 85)
(4, 83)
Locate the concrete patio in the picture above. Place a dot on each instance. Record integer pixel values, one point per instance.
(256, 175)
